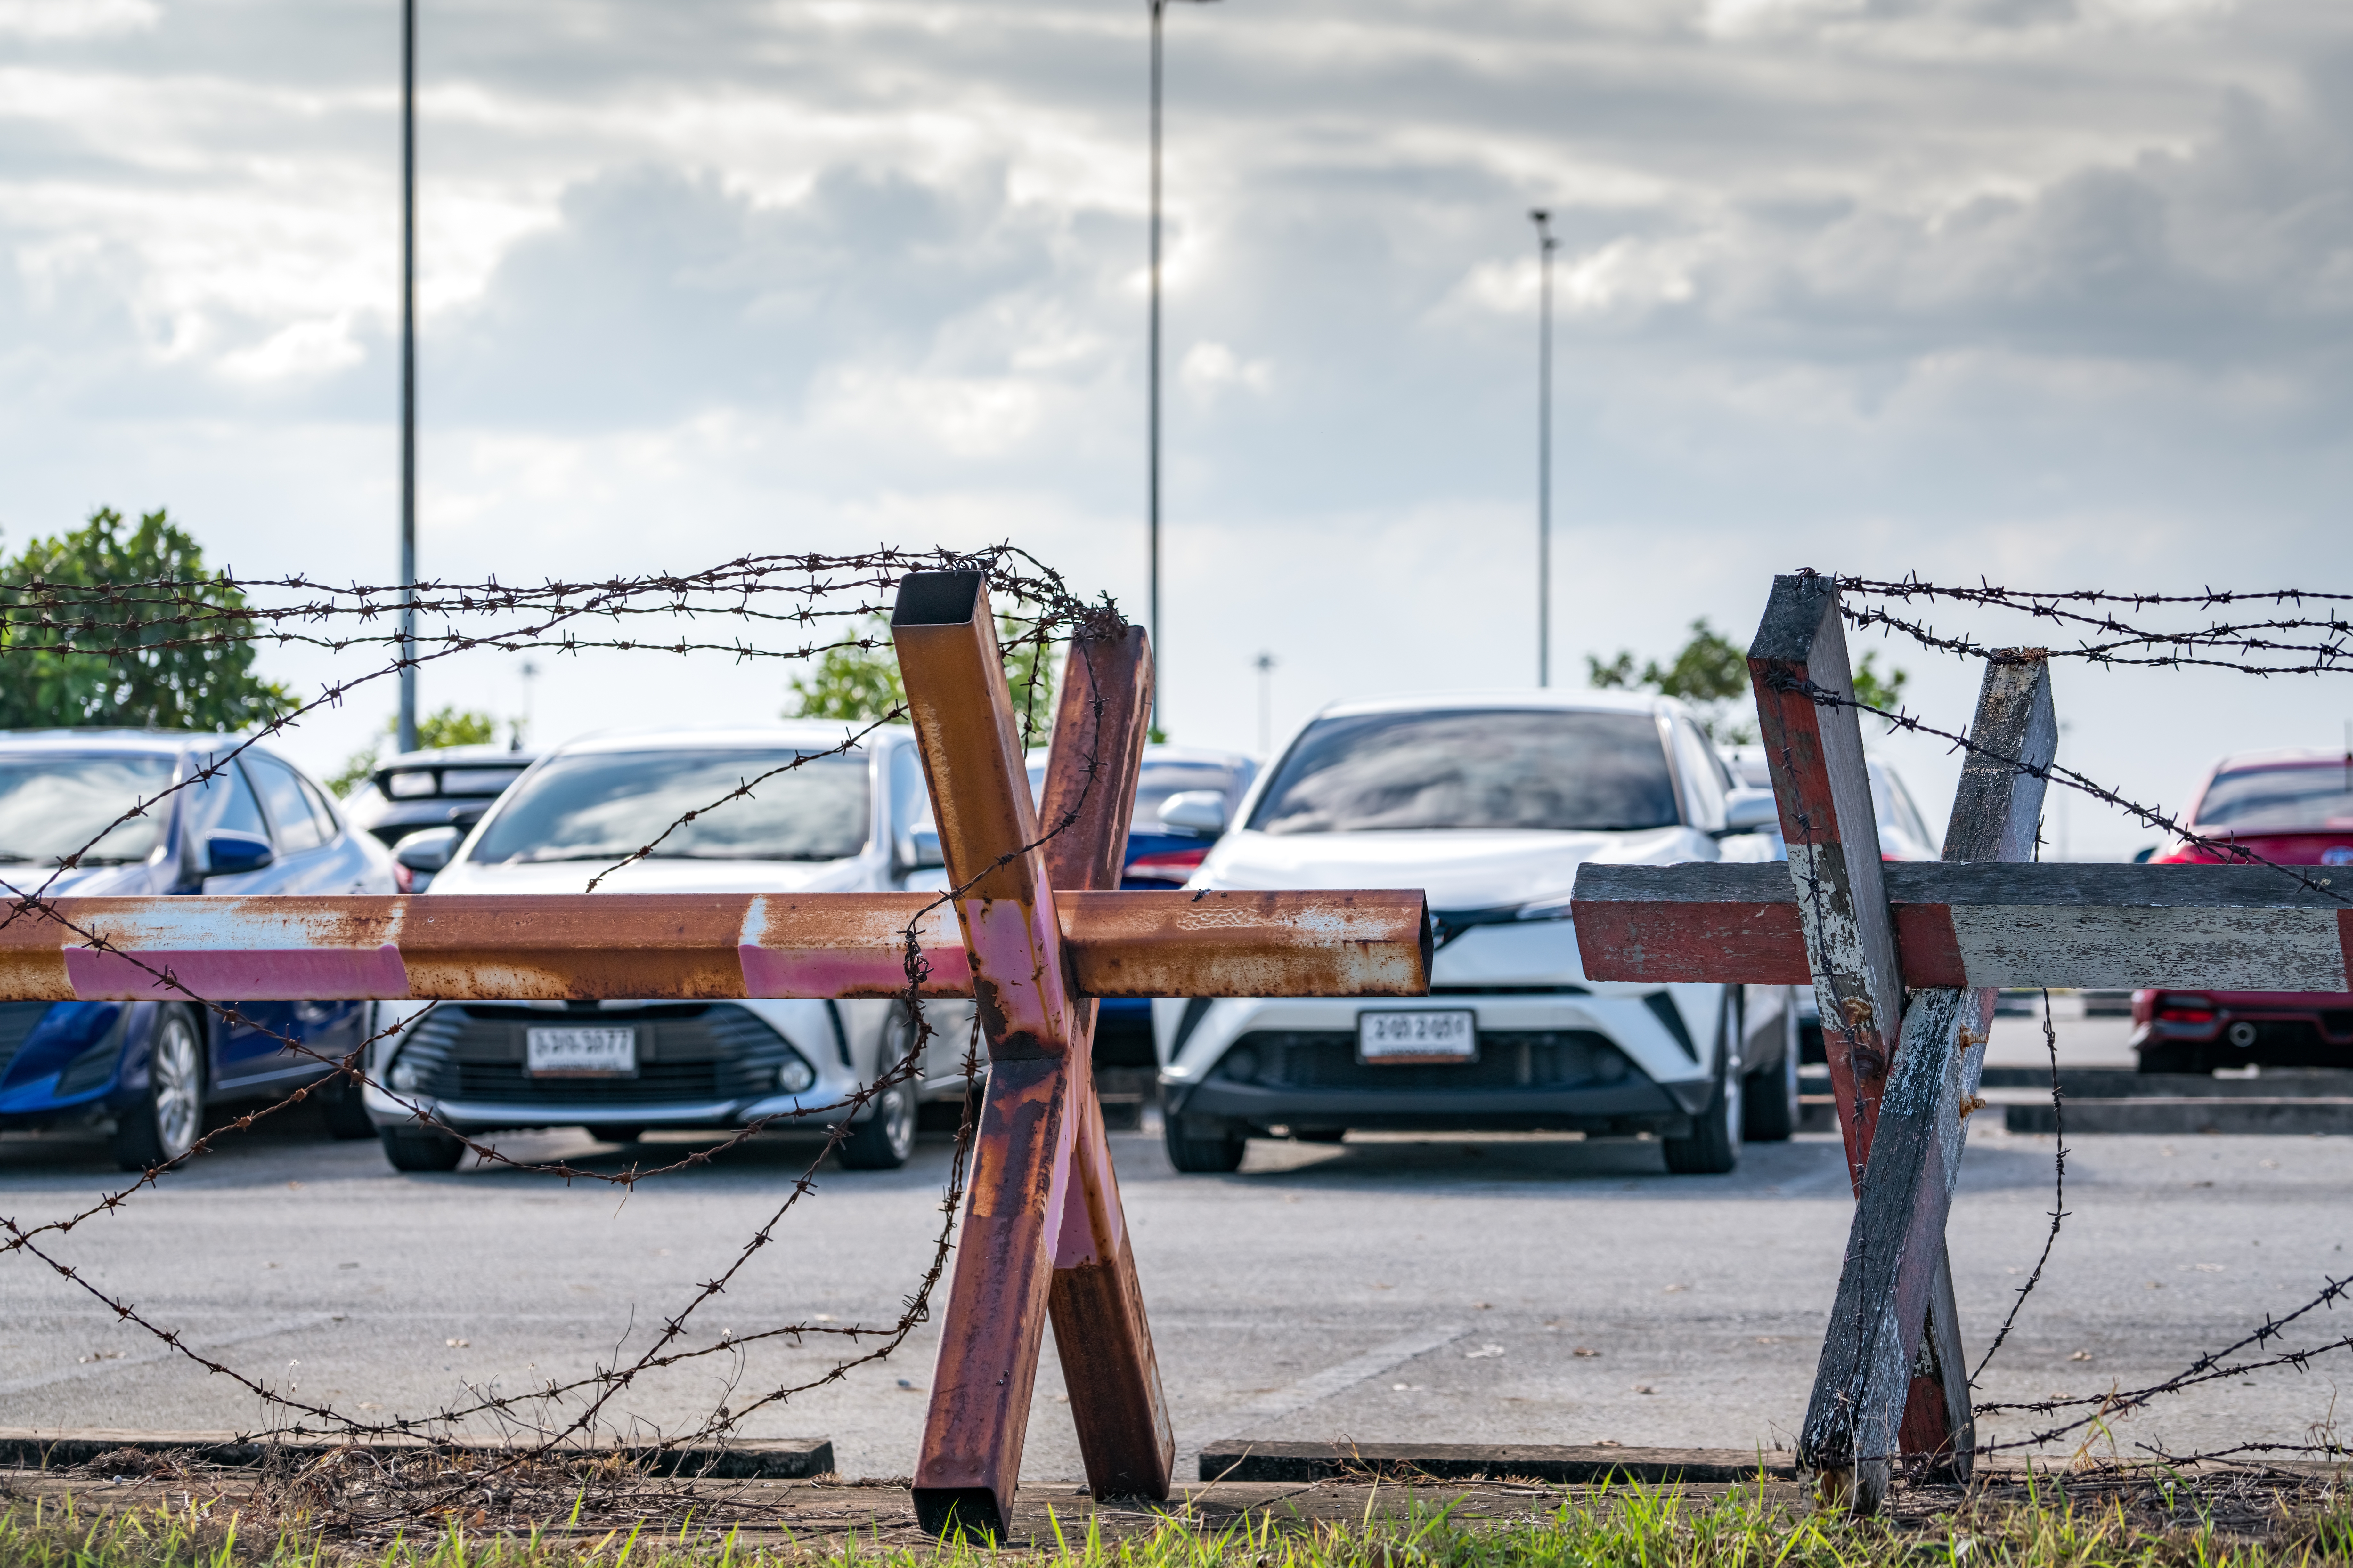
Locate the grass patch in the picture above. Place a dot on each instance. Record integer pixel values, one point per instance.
(2201, 1522)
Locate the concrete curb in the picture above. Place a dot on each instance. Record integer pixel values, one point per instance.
(751, 1458)
(2288, 1118)
(1237, 1460)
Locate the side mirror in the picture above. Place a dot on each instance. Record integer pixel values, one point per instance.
(919, 848)
(1750, 810)
(1195, 810)
(429, 850)
(229, 854)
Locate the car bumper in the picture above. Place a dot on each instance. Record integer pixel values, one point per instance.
(1623, 1108)
(2278, 1028)
(816, 1113)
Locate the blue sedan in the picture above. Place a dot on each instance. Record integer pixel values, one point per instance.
(149, 1069)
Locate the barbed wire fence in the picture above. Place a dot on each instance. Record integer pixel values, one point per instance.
(552, 1421)
(2275, 645)
(801, 595)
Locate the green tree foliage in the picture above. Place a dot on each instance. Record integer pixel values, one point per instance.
(1710, 673)
(50, 683)
(450, 726)
(862, 683)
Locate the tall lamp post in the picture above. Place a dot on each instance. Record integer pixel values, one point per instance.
(1545, 244)
(1152, 460)
(407, 734)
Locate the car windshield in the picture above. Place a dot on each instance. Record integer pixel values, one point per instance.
(1155, 785)
(602, 805)
(1542, 770)
(51, 806)
(2280, 800)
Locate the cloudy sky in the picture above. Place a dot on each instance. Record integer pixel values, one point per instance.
(2056, 292)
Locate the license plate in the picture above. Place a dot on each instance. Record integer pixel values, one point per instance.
(581, 1053)
(1405, 1038)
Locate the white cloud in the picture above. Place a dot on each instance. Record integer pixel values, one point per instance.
(1209, 369)
(56, 19)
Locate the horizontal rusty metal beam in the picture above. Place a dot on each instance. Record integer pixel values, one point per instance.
(2236, 928)
(705, 947)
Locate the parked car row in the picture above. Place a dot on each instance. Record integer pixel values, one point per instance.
(1488, 801)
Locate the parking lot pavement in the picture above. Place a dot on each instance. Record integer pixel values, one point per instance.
(1461, 1290)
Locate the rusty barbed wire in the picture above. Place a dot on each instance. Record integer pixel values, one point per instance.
(1059, 615)
(2103, 639)
(2058, 1185)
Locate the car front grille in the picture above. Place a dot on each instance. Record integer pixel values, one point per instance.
(17, 1021)
(690, 1054)
(1508, 1058)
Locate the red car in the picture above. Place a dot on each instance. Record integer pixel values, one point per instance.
(2294, 808)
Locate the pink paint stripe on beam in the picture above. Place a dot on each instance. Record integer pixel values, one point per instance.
(265, 974)
(836, 971)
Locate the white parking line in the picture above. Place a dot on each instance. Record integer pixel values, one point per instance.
(1333, 1379)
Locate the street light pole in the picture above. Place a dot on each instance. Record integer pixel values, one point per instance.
(1151, 443)
(406, 733)
(1545, 244)
(1264, 665)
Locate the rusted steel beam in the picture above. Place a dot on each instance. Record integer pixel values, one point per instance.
(1893, 1378)
(1822, 787)
(945, 635)
(1095, 1302)
(1814, 753)
(2098, 927)
(548, 947)
(1035, 1025)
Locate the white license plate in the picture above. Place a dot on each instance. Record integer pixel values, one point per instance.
(1417, 1037)
(581, 1053)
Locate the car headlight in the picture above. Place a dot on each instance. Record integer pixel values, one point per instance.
(795, 1074)
(404, 1078)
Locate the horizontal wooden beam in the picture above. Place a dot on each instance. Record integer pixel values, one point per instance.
(706, 947)
(2234, 928)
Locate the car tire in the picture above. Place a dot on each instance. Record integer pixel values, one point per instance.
(1714, 1147)
(339, 1101)
(420, 1148)
(169, 1117)
(1769, 1109)
(885, 1140)
(1214, 1155)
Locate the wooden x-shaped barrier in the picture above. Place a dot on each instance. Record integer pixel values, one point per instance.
(1038, 932)
(1892, 1384)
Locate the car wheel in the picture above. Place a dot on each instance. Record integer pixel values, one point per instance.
(1219, 1152)
(1714, 1147)
(885, 1140)
(1769, 1111)
(165, 1121)
(420, 1148)
(347, 1116)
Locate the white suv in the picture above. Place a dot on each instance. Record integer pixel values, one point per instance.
(856, 823)
(1489, 802)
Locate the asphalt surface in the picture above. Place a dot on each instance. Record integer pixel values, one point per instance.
(1520, 1289)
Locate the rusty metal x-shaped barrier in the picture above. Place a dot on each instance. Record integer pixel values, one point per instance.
(1040, 933)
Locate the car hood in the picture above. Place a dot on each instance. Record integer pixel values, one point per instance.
(659, 877)
(1456, 869)
(88, 882)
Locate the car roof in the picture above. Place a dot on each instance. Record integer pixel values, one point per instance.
(2282, 757)
(1199, 756)
(152, 743)
(1504, 701)
(816, 734)
(457, 757)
